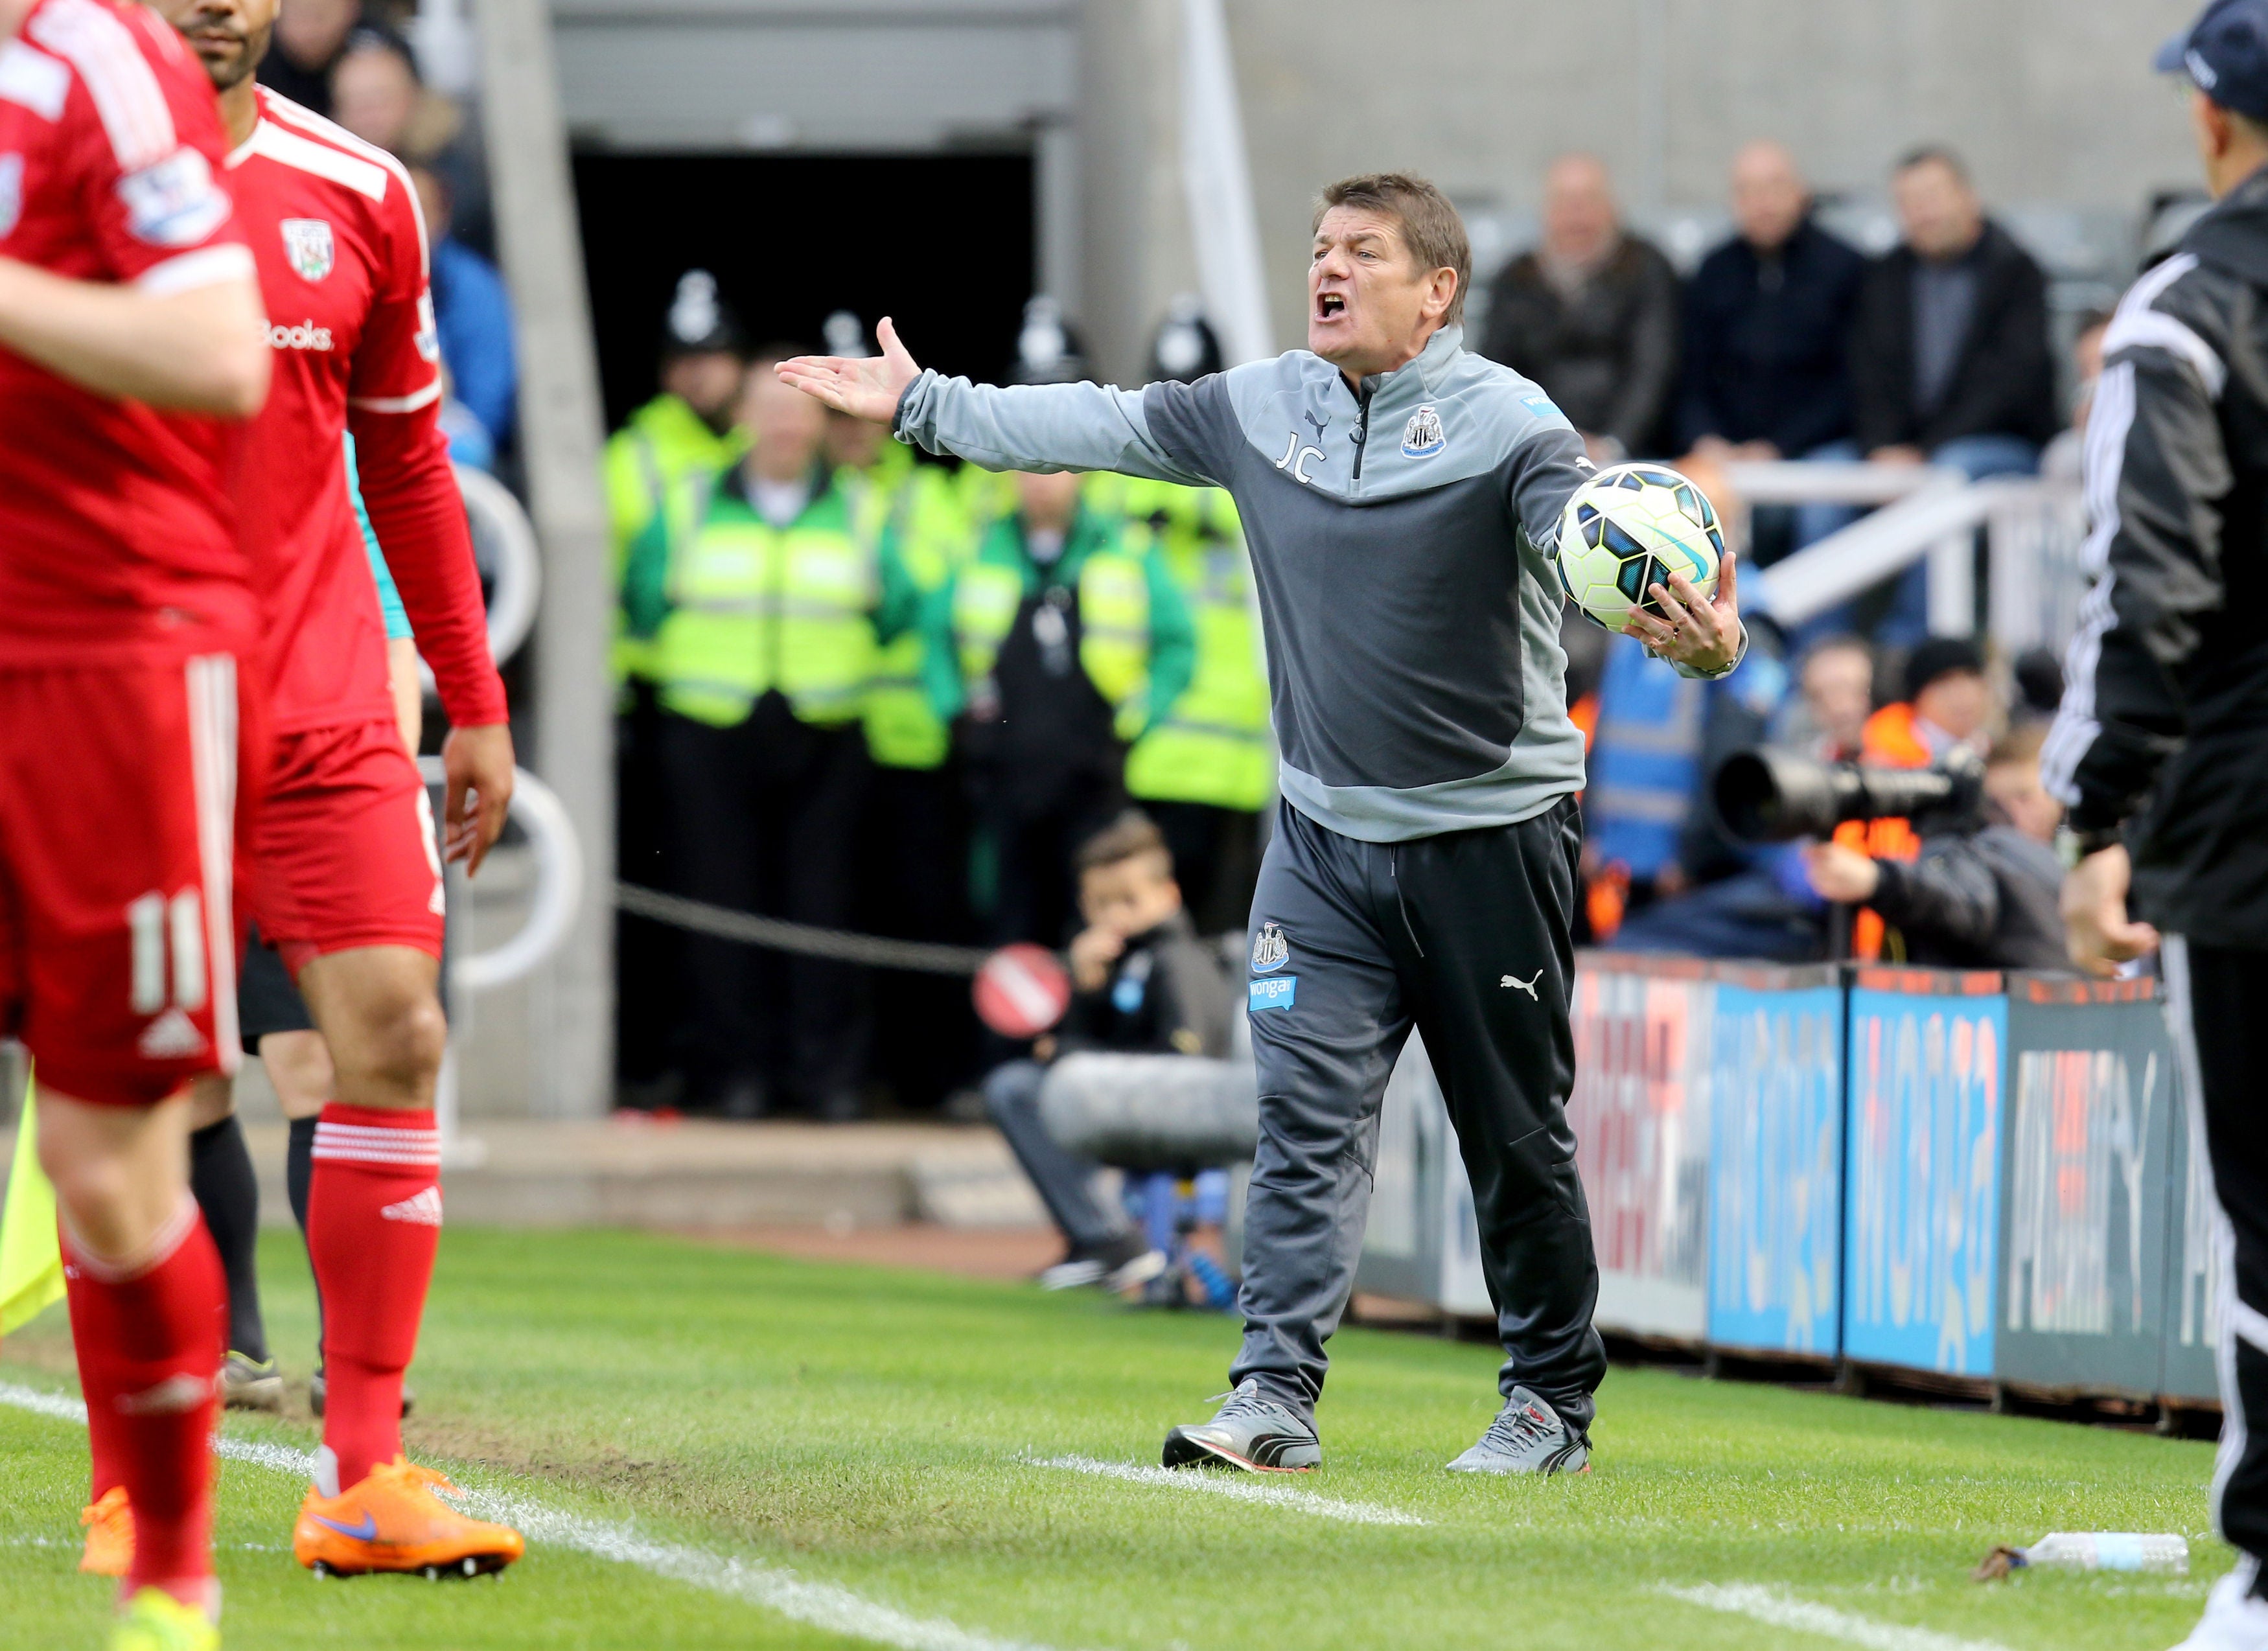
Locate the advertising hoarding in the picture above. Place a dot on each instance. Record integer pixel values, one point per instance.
(1923, 1125)
(1776, 1163)
(2084, 1186)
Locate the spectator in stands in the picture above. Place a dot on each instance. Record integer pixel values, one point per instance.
(1144, 984)
(766, 592)
(2061, 460)
(1767, 325)
(1057, 645)
(1591, 315)
(1949, 356)
(473, 312)
(310, 37)
(376, 94)
(1981, 896)
(1837, 695)
(1948, 702)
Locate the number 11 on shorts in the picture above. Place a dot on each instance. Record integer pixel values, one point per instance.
(153, 921)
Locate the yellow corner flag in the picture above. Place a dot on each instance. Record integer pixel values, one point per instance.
(30, 1259)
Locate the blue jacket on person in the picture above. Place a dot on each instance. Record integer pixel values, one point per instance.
(1767, 343)
(474, 313)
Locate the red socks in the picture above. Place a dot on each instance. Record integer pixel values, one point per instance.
(151, 1332)
(373, 1224)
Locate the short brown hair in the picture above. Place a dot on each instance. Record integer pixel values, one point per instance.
(1130, 836)
(1431, 227)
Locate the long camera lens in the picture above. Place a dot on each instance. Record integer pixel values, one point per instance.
(1768, 796)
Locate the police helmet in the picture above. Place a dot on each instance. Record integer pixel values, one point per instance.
(1048, 350)
(699, 321)
(1186, 347)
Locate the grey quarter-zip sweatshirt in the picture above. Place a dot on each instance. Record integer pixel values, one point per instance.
(1400, 540)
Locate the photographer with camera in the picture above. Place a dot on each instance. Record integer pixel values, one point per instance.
(1982, 893)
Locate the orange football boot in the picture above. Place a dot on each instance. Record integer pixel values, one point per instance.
(109, 1523)
(394, 1522)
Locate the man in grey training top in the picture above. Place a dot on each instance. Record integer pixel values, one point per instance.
(1401, 499)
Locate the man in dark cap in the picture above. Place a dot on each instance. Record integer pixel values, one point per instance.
(2157, 751)
(689, 427)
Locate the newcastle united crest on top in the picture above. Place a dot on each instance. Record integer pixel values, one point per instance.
(307, 243)
(1422, 436)
(1270, 948)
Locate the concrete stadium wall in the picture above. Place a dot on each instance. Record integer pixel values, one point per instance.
(2051, 100)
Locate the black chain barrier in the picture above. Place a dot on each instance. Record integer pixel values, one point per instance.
(839, 945)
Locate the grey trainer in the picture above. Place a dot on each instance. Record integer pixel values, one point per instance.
(250, 1384)
(1527, 1437)
(1252, 1432)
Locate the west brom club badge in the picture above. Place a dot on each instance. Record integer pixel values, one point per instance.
(307, 243)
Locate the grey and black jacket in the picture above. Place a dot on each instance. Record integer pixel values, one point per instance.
(1984, 899)
(1401, 538)
(2164, 720)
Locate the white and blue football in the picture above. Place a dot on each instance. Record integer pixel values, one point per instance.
(1626, 530)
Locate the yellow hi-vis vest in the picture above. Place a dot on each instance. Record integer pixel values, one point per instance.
(925, 516)
(1114, 624)
(755, 609)
(657, 448)
(1212, 745)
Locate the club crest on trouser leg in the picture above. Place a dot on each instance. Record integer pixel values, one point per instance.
(307, 243)
(1270, 948)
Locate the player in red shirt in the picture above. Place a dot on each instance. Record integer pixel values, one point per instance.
(347, 875)
(126, 345)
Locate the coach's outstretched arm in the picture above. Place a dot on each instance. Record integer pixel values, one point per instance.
(188, 339)
(1025, 427)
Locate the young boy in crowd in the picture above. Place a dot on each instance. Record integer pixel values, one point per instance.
(1143, 984)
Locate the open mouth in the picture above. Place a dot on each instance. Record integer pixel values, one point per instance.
(1329, 307)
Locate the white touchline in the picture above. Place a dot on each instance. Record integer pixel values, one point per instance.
(774, 1588)
(1243, 1490)
(1782, 1610)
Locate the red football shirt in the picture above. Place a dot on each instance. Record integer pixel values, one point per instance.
(114, 520)
(334, 224)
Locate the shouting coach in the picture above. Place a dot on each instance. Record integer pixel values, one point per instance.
(1401, 499)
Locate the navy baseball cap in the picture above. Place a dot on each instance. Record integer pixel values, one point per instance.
(2224, 55)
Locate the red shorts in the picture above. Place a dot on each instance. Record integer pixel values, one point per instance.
(117, 824)
(343, 852)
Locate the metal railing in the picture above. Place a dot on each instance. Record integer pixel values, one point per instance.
(2033, 530)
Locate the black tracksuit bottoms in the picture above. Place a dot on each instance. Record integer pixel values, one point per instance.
(2212, 1008)
(1465, 936)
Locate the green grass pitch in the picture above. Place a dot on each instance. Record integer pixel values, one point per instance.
(733, 1451)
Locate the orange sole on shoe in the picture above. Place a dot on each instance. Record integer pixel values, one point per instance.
(392, 1521)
